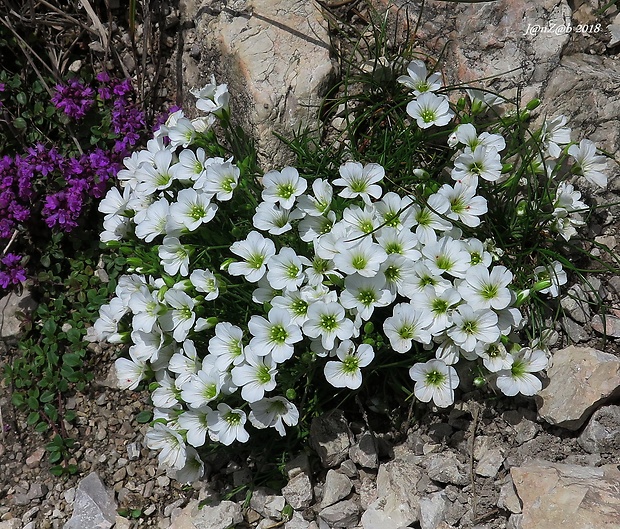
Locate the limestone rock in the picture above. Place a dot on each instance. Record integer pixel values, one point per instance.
(275, 57)
(446, 468)
(580, 380)
(432, 510)
(343, 514)
(298, 491)
(330, 437)
(337, 487)
(561, 495)
(364, 452)
(219, 515)
(397, 494)
(602, 433)
(610, 326)
(11, 306)
(94, 505)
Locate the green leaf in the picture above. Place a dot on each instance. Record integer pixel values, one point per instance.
(47, 396)
(49, 327)
(71, 359)
(144, 416)
(22, 99)
(33, 418)
(57, 470)
(20, 123)
(17, 399)
(41, 427)
(51, 411)
(33, 403)
(70, 416)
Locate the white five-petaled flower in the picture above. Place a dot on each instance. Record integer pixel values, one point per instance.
(255, 376)
(275, 335)
(434, 380)
(274, 218)
(327, 321)
(465, 205)
(212, 98)
(170, 443)
(346, 372)
(274, 412)
(180, 319)
(483, 162)
(471, 327)
(418, 79)
(365, 293)
(518, 378)
(407, 324)
(221, 180)
(192, 208)
(174, 256)
(283, 187)
(429, 109)
(550, 279)
(256, 252)
(484, 289)
(365, 258)
(553, 134)
(195, 422)
(360, 180)
(589, 164)
(320, 203)
(285, 270)
(205, 281)
(227, 425)
(227, 345)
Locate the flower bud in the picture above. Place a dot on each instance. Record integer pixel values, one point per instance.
(534, 103)
(291, 394)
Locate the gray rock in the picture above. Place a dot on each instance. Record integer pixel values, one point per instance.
(576, 332)
(397, 494)
(446, 468)
(274, 506)
(94, 505)
(432, 510)
(337, 487)
(364, 452)
(275, 57)
(298, 491)
(330, 437)
(508, 498)
(219, 515)
(348, 468)
(490, 463)
(580, 380)
(575, 304)
(344, 514)
(37, 491)
(524, 429)
(560, 495)
(301, 463)
(297, 521)
(11, 306)
(609, 326)
(515, 521)
(602, 433)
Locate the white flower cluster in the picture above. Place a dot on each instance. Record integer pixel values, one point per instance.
(353, 250)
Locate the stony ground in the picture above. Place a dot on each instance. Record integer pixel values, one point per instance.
(461, 458)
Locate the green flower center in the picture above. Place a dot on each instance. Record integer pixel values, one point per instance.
(292, 271)
(489, 291)
(256, 260)
(392, 273)
(210, 392)
(435, 378)
(286, 190)
(394, 247)
(228, 184)
(299, 307)
(196, 212)
(428, 115)
(475, 258)
(470, 327)
(359, 186)
(350, 364)
(444, 262)
(278, 334)
(328, 322)
(367, 297)
(359, 262)
(232, 418)
(263, 375)
(439, 306)
(406, 332)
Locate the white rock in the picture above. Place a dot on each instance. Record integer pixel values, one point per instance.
(337, 487)
(432, 510)
(94, 505)
(298, 491)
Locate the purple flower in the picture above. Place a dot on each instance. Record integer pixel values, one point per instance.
(74, 98)
(14, 272)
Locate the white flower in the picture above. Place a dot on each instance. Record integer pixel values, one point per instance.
(181, 318)
(467, 135)
(589, 164)
(202, 387)
(429, 109)
(407, 324)
(226, 425)
(471, 327)
(483, 162)
(418, 79)
(395, 211)
(195, 422)
(553, 134)
(274, 412)
(436, 381)
(129, 373)
(360, 181)
(283, 187)
(327, 321)
(106, 326)
(275, 335)
(364, 294)
(398, 272)
(398, 241)
(212, 98)
(554, 277)
(273, 218)
(156, 176)
(255, 375)
(174, 256)
(221, 180)
(285, 270)
(114, 203)
(319, 203)
(439, 304)
(193, 469)
(192, 208)
(346, 373)
(494, 356)
(361, 221)
(365, 258)
(465, 205)
(429, 218)
(154, 222)
(311, 228)
(191, 165)
(227, 345)
(170, 443)
(167, 394)
(205, 281)
(483, 289)
(181, 133)
(518, 378)
(295, 303)
(115, 228)
(185, 363)
(477, 252)
(256, 251)
(446, 255)
(146, 308)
